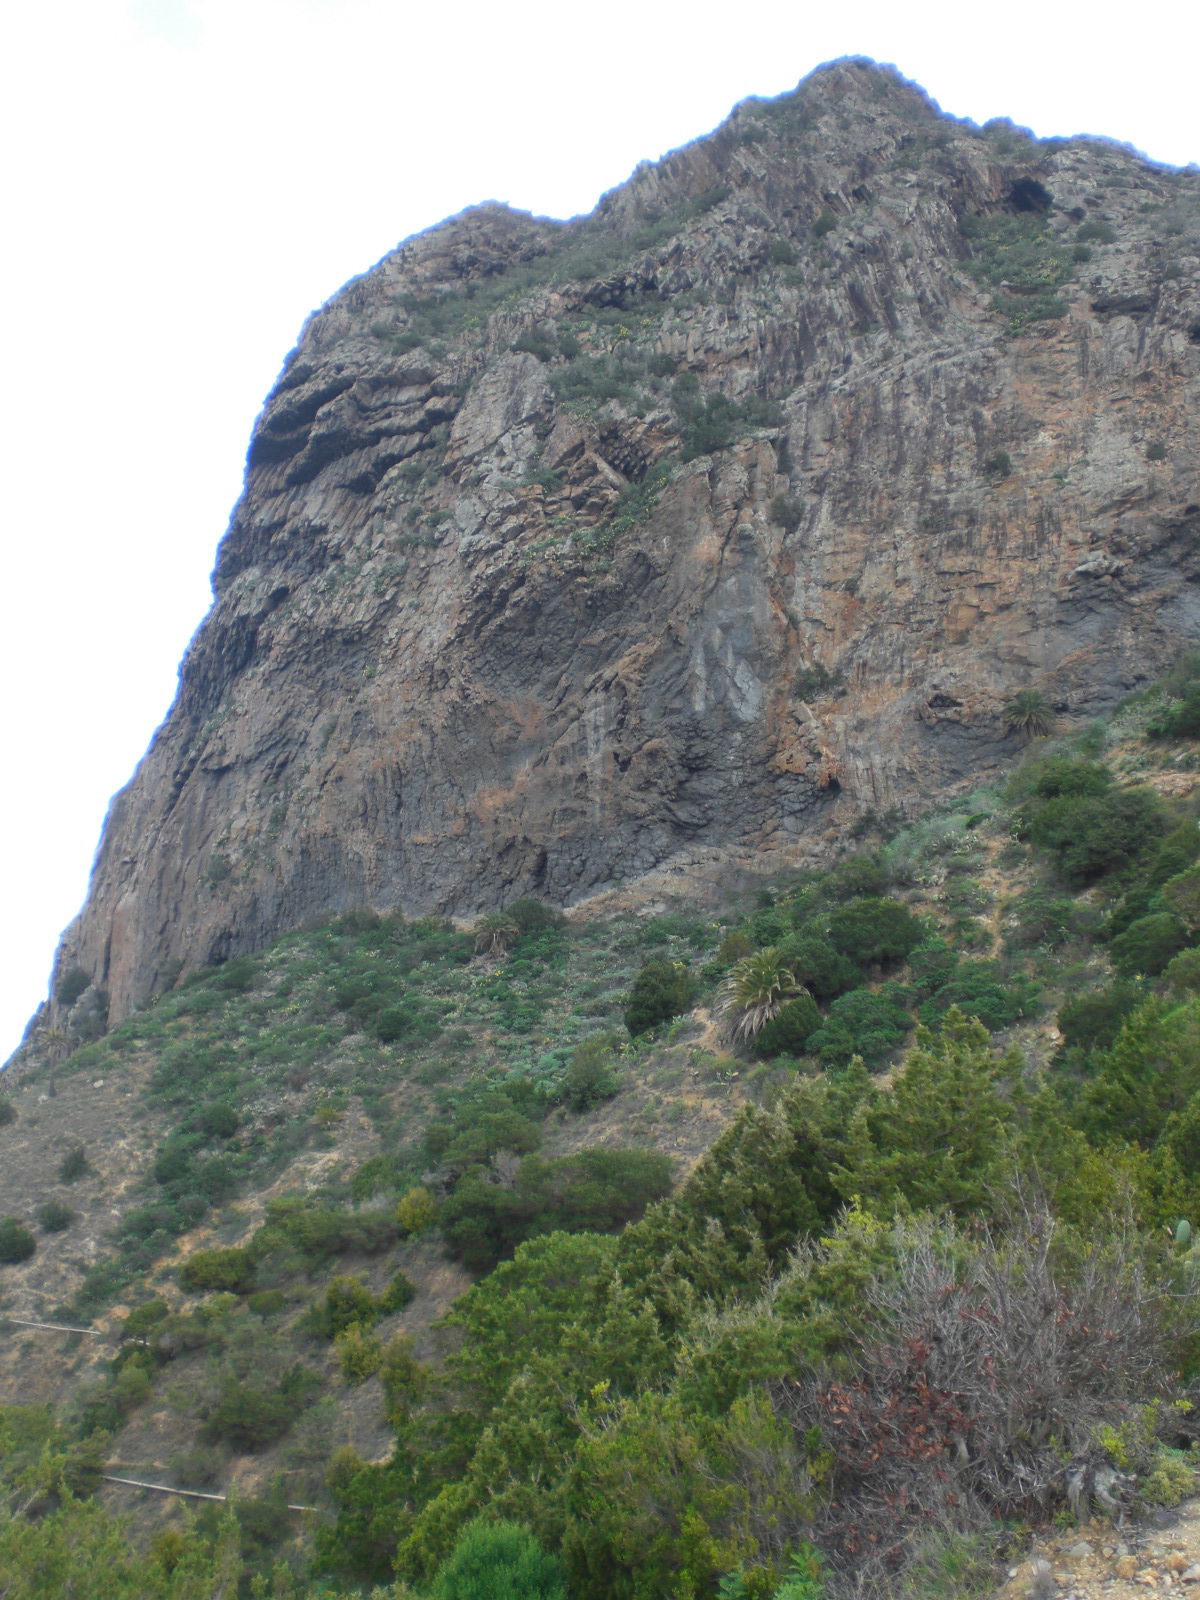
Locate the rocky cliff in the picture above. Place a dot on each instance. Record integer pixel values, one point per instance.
(681, 534)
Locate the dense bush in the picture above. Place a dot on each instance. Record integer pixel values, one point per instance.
(532, 916)
(1090, 835)
(74, 1165)
(498, 1561)
(1147, 945)
(823, 971)
(230, 1271)
(1092, 1021)
(54, 1217)
(16, 1242)
(788, 1032)
(8, 1111)
(1152, 1070)
(346, 1301)
(591, 1078)
(416, 1210)
(982, 989)
(595, 1191)
(478, 1130)
(1180, 719)
(303, 1230)
(860, 1024)
(70, 986)
(249, 1417)
(1041, 919)
(661, 990)
(150, 1314)
(874, 932)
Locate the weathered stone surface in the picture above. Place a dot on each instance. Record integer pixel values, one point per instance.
(457, 654)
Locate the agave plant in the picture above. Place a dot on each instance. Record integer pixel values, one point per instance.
(495, 933)
(755, 991)
(1030, 714)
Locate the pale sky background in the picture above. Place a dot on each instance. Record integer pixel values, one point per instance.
(187, 179)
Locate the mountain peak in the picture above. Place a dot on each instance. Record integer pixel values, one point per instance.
(674, 539)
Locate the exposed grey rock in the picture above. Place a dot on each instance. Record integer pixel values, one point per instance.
(466, 644)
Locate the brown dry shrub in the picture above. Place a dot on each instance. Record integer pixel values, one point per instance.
(987, 1375)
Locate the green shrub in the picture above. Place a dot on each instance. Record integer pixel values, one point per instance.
(1180, 719)
(711, 422)
(787, 512)
(661, 990)
(1093, 1021)
(230, 1271)
(822, 970)
(788, 1033)
(998, 464)
(1182, 974)
(860, 1024)
(400, 1292)
(16, 1242)
(1147, 946)
(857, 877)
(69, 988)
(981, 989)
(1152, 1070)
(811, 682)
(347, 1302)
(1051, 776)
(54, 1217)
(1095, 232)
(299, 1227)
(74, 1165)
(1089, 836)
(249, 1417)
(266, 1303)
(931, 964)
(480, 1131)
(1041, 919)
(359, 1354)
(498, 1561)
(414, 1018)
(532, 916)
(216, 1121)
(8, 1111)
(236, 976)
(596, 1191)
(142, 1319)
(416, 1210)
(590, 1079)
(874, 932)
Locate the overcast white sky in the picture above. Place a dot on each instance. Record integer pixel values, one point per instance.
(187, 179)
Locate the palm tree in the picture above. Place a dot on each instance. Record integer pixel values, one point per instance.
(1029, 713)
(755, 991)
(495, 933)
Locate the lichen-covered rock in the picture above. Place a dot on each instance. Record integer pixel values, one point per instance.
(678, 533)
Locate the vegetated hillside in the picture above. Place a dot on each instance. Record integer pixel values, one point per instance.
(676, 537)
(419, 1227)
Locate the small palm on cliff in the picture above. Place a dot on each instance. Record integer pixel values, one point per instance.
(495, 933)
(1030, 714)
(755, 991)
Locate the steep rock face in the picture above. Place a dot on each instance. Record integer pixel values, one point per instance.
(683, 533)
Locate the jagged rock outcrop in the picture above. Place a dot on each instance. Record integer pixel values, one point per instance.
(683, 532)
